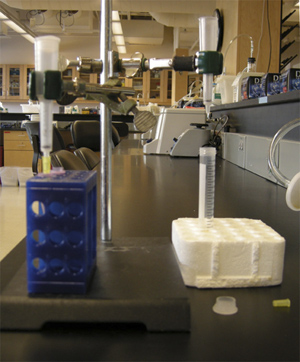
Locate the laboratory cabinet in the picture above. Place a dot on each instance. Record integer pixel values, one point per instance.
(151, 86)
(14, 80)
(159, 87)
(28, 69)
(72, 72)
(17, 149)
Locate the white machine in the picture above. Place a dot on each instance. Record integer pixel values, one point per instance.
(189, 142)
(172, 122)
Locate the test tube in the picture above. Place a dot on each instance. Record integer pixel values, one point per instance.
(208, 41)
(46, 58)
(207, 185)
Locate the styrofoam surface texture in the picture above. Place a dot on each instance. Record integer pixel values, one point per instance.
(232, 253)
(9, 176)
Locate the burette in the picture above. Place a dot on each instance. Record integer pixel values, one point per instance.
(46, 58)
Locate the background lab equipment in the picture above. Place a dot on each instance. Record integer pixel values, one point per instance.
(256, 303)
(112, 96)
(188, 138)
(172, 122)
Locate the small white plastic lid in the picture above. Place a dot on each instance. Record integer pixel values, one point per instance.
(292, 196)
(225, 306)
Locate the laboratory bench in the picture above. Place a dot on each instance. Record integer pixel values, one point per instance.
(262, 116)
(148, 193)
(64, 117)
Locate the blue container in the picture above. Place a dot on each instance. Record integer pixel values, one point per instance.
(251, 87)
(290, 80)
(61, 232)
(270, 84)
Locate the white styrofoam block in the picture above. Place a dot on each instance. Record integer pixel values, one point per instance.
(24, 173)
(9, 176)
(233, 253)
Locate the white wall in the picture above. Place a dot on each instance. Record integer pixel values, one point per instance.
(16, 50)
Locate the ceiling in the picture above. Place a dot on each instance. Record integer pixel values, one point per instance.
(143, 21)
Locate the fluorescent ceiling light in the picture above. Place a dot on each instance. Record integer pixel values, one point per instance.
(29, 38)
(2, 16)
(119, 40)
(116, 28)
(115, 16)
(14, 26)
(118, 32)
(122, 49)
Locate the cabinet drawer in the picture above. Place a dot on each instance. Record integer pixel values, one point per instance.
(19, 145)
(17, 158)
(15, 135)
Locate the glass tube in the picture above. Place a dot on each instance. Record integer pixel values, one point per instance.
(207, 185)
(208, 40)
(46, 58)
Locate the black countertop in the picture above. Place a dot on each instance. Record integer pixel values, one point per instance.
(289, 97)
(264, 116)
(148, 193)
(65, 117)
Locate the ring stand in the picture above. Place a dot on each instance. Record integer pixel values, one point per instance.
(137, 280)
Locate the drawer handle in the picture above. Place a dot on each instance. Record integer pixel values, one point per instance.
(21, 135)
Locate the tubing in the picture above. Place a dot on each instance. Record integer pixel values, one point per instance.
(276, 139)
(208, 40)
(207, 185)
(293, 186)
(231, 41)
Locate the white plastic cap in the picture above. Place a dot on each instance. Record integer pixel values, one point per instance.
(225, 306)
(292, 196)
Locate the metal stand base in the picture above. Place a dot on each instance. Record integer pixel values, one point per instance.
(137, 280)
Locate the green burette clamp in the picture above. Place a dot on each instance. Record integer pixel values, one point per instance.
(52, 85)
(66, 92)
(209, 62)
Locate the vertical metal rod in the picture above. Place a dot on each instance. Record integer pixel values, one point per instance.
(105, 127)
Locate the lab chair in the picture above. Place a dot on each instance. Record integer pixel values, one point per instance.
(121, 127)
(86, 139)
(87, 134)
(67, 160)
(90, 158)
(33, 131)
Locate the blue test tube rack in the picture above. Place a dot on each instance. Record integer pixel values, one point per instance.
(61, 232)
